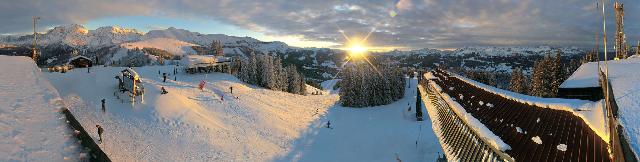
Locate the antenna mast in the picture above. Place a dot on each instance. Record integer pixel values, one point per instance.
(34, 54)
(620, 44)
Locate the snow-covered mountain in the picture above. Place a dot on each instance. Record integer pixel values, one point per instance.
(509, 51)
(170, 45)
(78, 36)
(491, 51)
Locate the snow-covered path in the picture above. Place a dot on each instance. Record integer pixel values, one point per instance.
(381, 133)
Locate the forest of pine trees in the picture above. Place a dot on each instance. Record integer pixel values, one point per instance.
(363, 86)
(267, 71)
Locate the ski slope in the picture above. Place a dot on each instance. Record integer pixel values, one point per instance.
(31, 125)
(382, 133)
(188, 124)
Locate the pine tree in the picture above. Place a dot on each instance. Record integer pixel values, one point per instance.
(557, 74)
(293, 78)
(537, 80)
(252, 69)
(518, 82)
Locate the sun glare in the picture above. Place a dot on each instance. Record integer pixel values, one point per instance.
(357, 50)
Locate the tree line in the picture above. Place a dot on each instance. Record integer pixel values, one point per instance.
(267, 71)
(364, 85)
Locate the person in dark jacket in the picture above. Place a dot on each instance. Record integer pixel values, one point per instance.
(103, 107)
(231, 89)
(164, 77)
(100, 131)
(163, 91)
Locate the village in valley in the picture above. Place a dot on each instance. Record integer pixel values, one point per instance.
(400, 80)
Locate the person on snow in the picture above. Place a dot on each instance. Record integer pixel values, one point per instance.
(201, 85)
(221, 98)
(100, 131)
(163, 91)
(164, 77)
(231, 89)
(328, 123)
(103, 107)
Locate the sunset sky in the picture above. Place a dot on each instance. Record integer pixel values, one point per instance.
(401, 24)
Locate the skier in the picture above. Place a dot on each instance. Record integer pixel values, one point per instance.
(221, 98)
(100, 131)
(163, 91)
(175, 78)
(231, 89)
(164, 77)
(328, 123)
(103, 107)
(88, 68)
(409, 109)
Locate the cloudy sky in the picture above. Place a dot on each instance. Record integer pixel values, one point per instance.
(404, 24)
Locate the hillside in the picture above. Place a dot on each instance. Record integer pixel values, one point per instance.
(170, 45)
(188, 124)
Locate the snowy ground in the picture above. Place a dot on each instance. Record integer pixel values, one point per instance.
(381, 133)
(31, 125)
(261, 125)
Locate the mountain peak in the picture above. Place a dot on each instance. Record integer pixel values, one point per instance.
(70, 28)
(116, 30)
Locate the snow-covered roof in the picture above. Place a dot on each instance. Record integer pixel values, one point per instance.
(223, 59)
(512, 118)
(625, 83)
(193, 60)
(585, 76)
(77, 57)
(32, 127)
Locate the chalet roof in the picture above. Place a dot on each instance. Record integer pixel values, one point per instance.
(77, 57)
(518, 123)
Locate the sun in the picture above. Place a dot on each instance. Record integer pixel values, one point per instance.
(357, 50)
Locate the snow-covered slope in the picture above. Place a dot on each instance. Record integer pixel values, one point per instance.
(170, 45)
(188, 124)
(252, 124)
(31, 125)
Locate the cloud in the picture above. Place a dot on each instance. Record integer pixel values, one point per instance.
(403, 4)
(418, 24)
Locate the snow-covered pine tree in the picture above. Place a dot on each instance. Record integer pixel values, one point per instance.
(346, 87)
(302, 84)
(536, 79)
(277, 75)
(518, 82)
(252, 69)
(293, 77)
(557, 74)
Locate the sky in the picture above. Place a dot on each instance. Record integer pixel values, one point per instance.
(392, 24)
